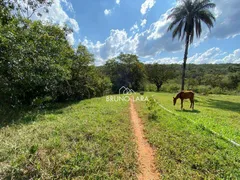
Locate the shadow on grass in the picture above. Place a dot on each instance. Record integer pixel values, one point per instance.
(27, 114)
(225, 105)
(189, 111)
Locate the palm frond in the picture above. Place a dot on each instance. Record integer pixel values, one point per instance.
(191, 37)
(178, 30)
(209, 5)
(198, 27)
(187, 18)
(207, 17)
(174, 22)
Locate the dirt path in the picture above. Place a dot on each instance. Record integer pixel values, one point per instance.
(145, 152)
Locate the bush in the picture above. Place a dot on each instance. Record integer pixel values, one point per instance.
(172, 88)
(36, 64)
(216, 90)
(238, 88)
(202, 89)
(150, 87)
(153, 109)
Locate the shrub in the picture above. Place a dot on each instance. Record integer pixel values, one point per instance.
(202, 89)
(238, 88)
(216, 90)
(153, 109)
(172, 88)
(150, 87)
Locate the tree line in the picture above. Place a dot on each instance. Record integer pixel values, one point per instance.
(127, 70)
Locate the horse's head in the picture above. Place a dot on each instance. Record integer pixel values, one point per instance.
(174, 101)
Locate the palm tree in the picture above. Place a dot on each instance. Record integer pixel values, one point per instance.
(186, 22)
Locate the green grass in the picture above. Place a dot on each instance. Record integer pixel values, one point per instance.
(92, 139)
(186, 150)
(220, 113)
(87, 140)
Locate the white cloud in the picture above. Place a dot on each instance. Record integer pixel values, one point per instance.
(159, 28)
(57, 15)
(70, 38)
(107, 12)
(134, 28)
(166, 60)
(215, 56)
(117, 42)
(145, 44)
(211, 56)
(227, 24)
(143, 22)
(74, 24)
(68, 5)
(233, 58)
(147, 5)
(155, 40)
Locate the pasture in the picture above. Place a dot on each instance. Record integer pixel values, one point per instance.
(220, 113)
(87, 140)
(93, 139)
(185, 147)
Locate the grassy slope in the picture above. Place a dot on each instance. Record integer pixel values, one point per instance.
(88, 140)
(186, 151)
(220, 113)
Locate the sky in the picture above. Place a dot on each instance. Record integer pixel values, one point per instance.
(109, 27)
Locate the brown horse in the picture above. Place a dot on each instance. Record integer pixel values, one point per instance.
(185, 95)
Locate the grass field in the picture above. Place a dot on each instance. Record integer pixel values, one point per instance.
(93, 139)
(186, 150)
(220, 113)
(87, 140)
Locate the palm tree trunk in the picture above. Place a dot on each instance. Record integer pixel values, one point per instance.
(185, 60)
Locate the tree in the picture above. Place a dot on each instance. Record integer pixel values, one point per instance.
(187, 20)
(5, 8)
(27, 8)
(125, 70)
(158, 74)
(103, 84)
(35, 60)
(80, 84)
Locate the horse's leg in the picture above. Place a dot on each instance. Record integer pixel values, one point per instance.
(181, 104)
(193, 104)
(190, 103)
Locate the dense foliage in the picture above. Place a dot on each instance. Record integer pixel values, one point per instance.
(202, 78)
(125, 70)
(37, 64)
(158, 74)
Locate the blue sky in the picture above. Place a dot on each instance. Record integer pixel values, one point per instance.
(109, 27)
